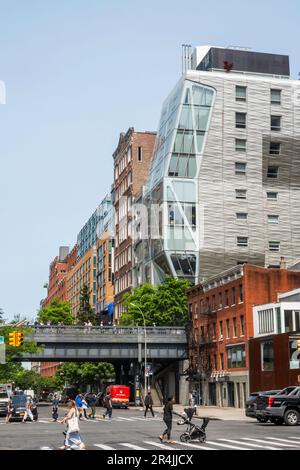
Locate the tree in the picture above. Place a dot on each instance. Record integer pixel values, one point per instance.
(27, 380)
(57, 311)
(86, 312)
(81, 374)
(1, 316)
(163, 305)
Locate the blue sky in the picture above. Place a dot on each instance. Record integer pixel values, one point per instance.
(77, 73)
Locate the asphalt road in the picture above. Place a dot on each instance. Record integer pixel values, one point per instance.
(129, 430)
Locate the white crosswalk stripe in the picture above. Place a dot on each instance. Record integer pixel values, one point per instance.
(267, 442)
(284, 440)
(132, 446)
(248, 444)
(104, 447)
(228, 446)
(161, 446)
(194, 446)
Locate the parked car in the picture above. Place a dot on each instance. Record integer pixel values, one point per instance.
(284, 407)
(251, 405)
(19, 407)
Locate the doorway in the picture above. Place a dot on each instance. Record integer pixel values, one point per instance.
(212, 394)
(230, 394)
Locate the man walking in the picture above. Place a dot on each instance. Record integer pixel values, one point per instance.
(108, 406)
(168, 415)
(91, 399)
(148, 404)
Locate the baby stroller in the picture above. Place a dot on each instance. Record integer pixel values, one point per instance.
(193, 432)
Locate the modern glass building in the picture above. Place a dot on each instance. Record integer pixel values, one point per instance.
(223, 188)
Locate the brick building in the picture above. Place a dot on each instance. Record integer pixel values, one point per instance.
(105, 278)
(131, 166)
(222, 323)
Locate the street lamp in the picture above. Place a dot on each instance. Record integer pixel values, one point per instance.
(145, 368)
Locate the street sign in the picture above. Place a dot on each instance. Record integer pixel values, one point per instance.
(2, 353)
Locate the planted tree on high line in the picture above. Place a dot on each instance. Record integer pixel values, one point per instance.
(57, 311)
(86, 312)
(163, 305)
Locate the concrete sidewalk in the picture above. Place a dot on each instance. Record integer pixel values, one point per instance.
(213, 412)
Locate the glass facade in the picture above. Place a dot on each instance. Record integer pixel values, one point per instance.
(173, 182)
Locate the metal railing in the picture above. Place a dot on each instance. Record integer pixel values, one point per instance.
(107, 330)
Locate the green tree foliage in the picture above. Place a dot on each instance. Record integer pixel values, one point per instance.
(86, 312)
(81, 374)
(163, 305)
(57, 311)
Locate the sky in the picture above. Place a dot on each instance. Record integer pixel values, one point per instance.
(76, 74)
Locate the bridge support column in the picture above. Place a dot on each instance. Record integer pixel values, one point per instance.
(183, 383)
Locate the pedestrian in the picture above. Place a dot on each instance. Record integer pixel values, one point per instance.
(28, 411)
(55, 404)
(84, 407)
(108, 405)
(168, 415)
(9, 411)
(78, 401)
(148, 404)
(89, 326)
(92, 404)
(73, 439)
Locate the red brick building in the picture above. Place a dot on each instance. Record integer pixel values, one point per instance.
(132, 160)
(57, 288)
(222, 322)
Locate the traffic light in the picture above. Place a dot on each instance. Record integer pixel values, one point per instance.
(12, 338)
(16, 339)
(19, 339)
(298, 344)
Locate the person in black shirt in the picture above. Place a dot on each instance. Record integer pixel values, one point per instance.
(148, 404)
(168, 414)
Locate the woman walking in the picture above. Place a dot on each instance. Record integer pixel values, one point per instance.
(168, 415)
(73, 439)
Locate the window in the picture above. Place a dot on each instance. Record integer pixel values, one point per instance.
(240, 168)
(214, 331)
(241, 297)
(266, 321)
(242, 241)
(272, 172)
(236, 357)
(228, 328)
(241, 215)
(220, 300)
(222, 361)
(288, 321)
(241, 93)
(273, 219)
(234, 327)
(240, 120)
(272, 196)
(221, 329)
(233, 296)
(242, 318)
(276, 123)
(267, 355)
(274, 246)
(275, 148)
(241, 194)
(226, 298)
(275, 96)
(213, 304)
(139, 154)
(240, 145)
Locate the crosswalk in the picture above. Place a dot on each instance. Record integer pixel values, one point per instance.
(118, 419)
(241, 443)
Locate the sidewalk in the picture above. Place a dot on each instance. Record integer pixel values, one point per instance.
(213, 412)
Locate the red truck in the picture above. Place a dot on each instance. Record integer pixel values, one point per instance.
(119, 395)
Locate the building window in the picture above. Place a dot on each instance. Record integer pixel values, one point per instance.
(267, 355)
(272, 172)
(276, 123)
(213, 304)
(241, 194)
(273, 219)
(275, 96)
(241, 216)
(288, 321)
(139, 154)
(221, 329)
(275, 148)
(228, 328)
(266, 321)
(240, 120)
(274, 246)
(240, 168)
(226, 298)
(242, 325)
(234, 328)
(236, 357)
(214, 331)
(220, 300)
(222, 361)
(242, 241)
(241, 297)
(233, 296)
(241, 93)
(272, 195)
(240, 145)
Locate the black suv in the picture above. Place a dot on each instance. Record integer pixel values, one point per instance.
(18, 407)
(251, 405)
(284, 407)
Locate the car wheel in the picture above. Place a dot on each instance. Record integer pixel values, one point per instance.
(291, 417)
(260, 419)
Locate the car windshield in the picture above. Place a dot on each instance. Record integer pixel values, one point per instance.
(19, 400)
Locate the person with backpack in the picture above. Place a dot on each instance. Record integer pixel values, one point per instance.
(168, 415)
(78, 401)
(108, 405)
(55, 403)
(148, 404)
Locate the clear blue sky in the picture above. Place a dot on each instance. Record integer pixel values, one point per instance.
(78, 72)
